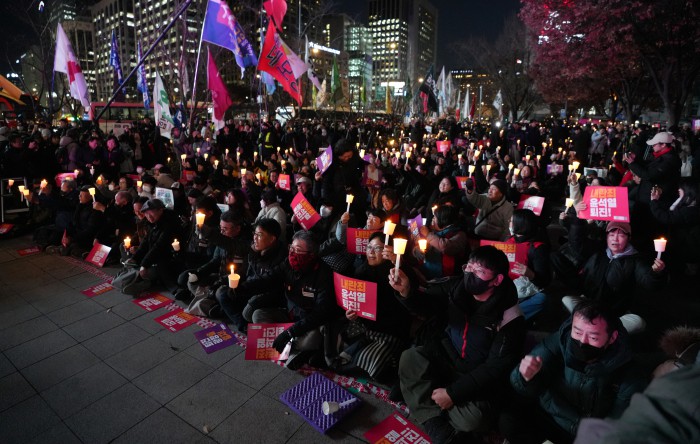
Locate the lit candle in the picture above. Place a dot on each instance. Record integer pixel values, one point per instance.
(278, 150)
(282, 162)
(216, 163)
(243, 171)
(199, 217)
(255, 155)
(183, 157)
(569, 202)
(176, 245)
(578, 176)
(539, 156)
(422, 160)
(21, 191)
(91, 190)
(471, 169)
(488, 167)
(76, 172)
(25, 192)
(510, 166)
(362, 153)
(233, 279)
(560, 148)
(99, 180)
(544, 145)
(226, 151)
(422, 244)
(44, 182)
(527, 158)
(576, 164)
(399, 249)
(516, 171)
(139, 183)
(357, 145)
(206, 155)
(659, 246)
(127, 243)
(348, 199)
(10, 182)
(199, 150)
(388, 230)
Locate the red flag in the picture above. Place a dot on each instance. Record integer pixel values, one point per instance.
(274, 61)
(473, 110)
(276, 9)
(219, 93)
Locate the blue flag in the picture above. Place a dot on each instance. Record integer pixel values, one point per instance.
(221, 28)
(141, 83)
(115, 61)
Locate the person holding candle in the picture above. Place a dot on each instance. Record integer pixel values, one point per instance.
(447, 193)
(61, 207)
(494, 211)
(80, 234)
(448, 246)
(271, 209)
(616, 275)
(454, 383)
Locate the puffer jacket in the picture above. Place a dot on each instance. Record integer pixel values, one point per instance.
(570, 390)
(492, 223)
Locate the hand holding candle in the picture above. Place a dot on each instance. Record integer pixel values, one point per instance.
(199, 217)
(127, 243)
(659, 246)
(44, 182)
(388, 230)
(399, 249)
(471, 170)
(423, 244)
(176, 245)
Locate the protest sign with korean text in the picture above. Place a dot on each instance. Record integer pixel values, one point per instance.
(356, 295)
(357, 240)
(396, 429)
(166, 195)
(284, 183)
(29, 251)
(606, 203)
(260, 339)
(533, 203)
(98, 255)
(152, 301)
(414, 226)
(553, 168)
(443, 146)
(304, 212)
(514, 252)
(372, 177)
(324, 160)
(98, 289)
(215, 338)
(176, 320)
(462, 182)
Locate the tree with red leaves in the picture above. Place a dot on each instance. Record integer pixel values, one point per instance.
(614, 45)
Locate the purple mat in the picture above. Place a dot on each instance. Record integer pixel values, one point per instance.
(307, 397)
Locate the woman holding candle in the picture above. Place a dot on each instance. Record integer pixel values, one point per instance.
(447, 193)
(448, 247)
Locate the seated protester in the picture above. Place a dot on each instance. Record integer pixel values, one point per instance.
(148, 187)
(237, 202)
(535, 274)
(448, 247)
(446, 194)
(307, 285)
(252, 190)
(163, 176)
(231, 248)
(332, 251)
(79, 237)
(583, 370)
(154, 253)
(417, 189)
(615, 275)
(140, 230)
(181, 204)
(391, 204)
(375, 221)
(200, 183)
(455, 382)
(62, 207)
(374, 347)
(683, 220)
(119, 222)
(305, 187)
(494, 211)
(271, 209)
(126, 184)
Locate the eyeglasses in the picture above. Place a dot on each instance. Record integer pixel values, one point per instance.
(296, 250)
(376, 249)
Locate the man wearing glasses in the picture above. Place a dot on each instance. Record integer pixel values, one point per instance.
(454, 381)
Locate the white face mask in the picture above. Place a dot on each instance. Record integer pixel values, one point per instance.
(325, 211)
(147, 188)
(262, 203)
(111, 187)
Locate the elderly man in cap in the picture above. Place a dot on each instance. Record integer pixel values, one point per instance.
(615, 275)
(495, 211)
(154, 254)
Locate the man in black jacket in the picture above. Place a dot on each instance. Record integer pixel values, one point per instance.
(454, 382)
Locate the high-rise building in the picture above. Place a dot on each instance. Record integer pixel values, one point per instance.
(358, 45)
(404, 35)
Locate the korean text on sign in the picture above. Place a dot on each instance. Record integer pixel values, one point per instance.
(606, 203)
(356, 295)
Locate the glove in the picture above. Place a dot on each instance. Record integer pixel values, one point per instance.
(281, 340)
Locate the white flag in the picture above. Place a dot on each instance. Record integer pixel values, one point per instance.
(498, 103)
(310, 72)
(161, 108)
(66, 62)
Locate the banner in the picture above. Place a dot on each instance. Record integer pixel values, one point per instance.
(606, 203)
(534, 203)
(356, 295)
(152, 301)
(284, 183)
(372, 176)
(414, 226)
(273, 60)
(515, 253)
(176, 320)
(324, 160)
(115, 60)
(141, 83)
(215, 338)
(304, 212)
(396, 429)
(428, 90)
(260, 339)
(161, 108)
(98, 255)
(221, 28)
(357, 240)
(219, 94)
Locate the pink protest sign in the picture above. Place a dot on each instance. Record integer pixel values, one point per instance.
(98, 289)
(534, 203)
(462, 182)
(305, 213)
(606, 203)
(260, 338)
(396, 429)
(187, 176)
(98, 255)
(357, 240)
(152, 301)
(284, 183)
(215, 338)
(443, 146)
(29, 251)
(555, 168)
(414, 225)
(62, 176)
(5, 228)
(324, 160)
(176, 320)
(356, 295)
(372, 177)
(514, 252)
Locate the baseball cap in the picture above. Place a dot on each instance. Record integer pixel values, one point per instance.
(623, 226)
(662, 137)
(152, 204)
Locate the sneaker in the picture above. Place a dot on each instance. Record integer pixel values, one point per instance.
(439, 430)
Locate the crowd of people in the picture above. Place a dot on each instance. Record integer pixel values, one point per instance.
(452, 320)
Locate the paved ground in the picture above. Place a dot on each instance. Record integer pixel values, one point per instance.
(75, 369)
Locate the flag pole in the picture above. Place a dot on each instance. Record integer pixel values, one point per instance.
(182, 9)
(196, 72)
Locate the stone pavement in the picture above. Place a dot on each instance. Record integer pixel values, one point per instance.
(95, 370)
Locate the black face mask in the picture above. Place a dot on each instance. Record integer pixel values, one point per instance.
(586, 352)
(475, 285)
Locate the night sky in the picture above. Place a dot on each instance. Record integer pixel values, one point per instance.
(457, 20)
